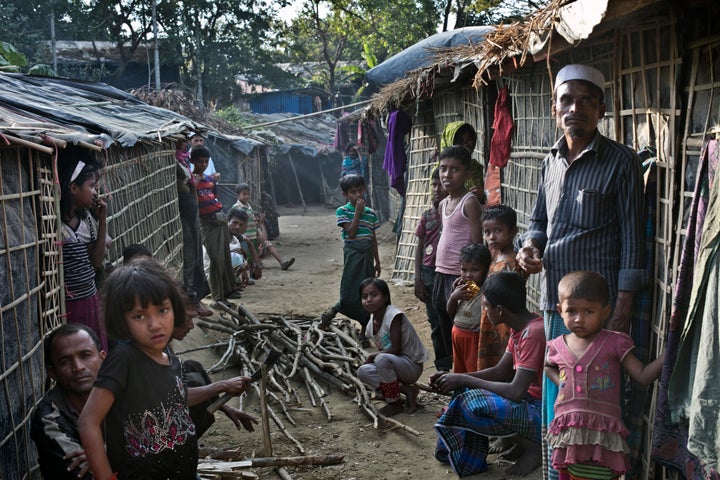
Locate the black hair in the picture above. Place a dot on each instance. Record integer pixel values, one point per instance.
(458, 152)
(199, 152)
(238, 213)
(351, 181)
(65, 331)
(135, 250)
(500, 213)
(464, 128)
(143, 280)
(435, 175)
(68, 160)
(590, 286)
(350, 146)
(241, 187)
(380, 284)
(506, 289)
(476, 253)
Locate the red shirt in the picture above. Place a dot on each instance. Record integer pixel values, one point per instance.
(528, 350)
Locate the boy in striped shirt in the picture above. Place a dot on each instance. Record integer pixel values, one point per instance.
(215, 233)
(360, 252)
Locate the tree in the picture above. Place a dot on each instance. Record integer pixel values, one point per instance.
(488, 12)
(330, 32)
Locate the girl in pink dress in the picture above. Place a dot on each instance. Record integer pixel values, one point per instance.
(587, 434)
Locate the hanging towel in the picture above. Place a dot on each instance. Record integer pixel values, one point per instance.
(399, 125)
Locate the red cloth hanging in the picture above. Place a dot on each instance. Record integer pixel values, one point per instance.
(502, 136)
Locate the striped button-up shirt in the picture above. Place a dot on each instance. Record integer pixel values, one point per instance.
(590, 215)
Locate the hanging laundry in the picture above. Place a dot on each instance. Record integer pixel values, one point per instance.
(502, 136)
(395, 161)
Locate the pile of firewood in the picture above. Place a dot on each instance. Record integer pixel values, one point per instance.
(313, 357)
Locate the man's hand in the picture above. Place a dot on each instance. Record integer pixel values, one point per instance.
(78, 459)
(529, 259)
(240, 419)
(378, 269)
(619, 321)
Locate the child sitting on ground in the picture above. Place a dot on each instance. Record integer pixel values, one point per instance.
(398, 363)
(241, 245)
(500, 401)
(465, 307)
(255, 231)
(361, 259)
(428, 234)
(587, 434)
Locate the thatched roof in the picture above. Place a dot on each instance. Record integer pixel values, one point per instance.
(503, 50)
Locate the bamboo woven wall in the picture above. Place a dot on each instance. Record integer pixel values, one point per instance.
(30, 296)
(140, 188)
(447, 106)
(647, 65)
(421, 160)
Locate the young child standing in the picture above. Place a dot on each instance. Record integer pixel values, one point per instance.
(428, 234)
(215, 233)
(465, 307)
(255, 230)
(139, 393)
(398, 363)
(499, 225)
(587, 434)
(460, 214)
(361, 259)
(84, 242)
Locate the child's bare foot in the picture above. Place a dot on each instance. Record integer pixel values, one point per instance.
(392, 408)
(530, 460)
(411, 393)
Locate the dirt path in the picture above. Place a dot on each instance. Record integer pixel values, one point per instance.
(308, 288)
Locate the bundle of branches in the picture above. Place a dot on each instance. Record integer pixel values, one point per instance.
(182, 100)
(311, 355)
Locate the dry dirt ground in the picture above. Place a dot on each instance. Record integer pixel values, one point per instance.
(308, 288)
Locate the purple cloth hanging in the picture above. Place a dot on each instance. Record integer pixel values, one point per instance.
(395, 160)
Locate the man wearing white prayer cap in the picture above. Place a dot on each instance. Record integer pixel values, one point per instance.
(589, 213)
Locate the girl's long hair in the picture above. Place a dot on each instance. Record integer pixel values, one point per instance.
(143, 280)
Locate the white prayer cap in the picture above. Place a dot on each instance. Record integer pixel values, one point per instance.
(580, 72)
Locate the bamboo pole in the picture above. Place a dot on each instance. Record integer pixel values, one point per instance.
(297, 181)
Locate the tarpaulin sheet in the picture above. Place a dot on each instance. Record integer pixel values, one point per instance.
(421, 55)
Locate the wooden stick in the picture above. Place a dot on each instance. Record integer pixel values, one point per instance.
(282, 473)
(333, 459)
(267, 444)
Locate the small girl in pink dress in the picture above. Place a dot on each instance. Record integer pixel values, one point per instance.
(587, 434)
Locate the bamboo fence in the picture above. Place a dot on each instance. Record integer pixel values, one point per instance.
(30, 297)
